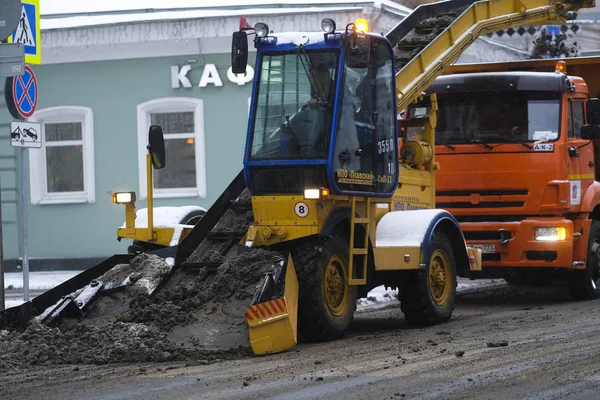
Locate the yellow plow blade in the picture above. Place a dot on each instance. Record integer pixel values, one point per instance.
(272, 324)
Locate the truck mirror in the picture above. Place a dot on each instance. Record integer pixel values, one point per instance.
(590, 132)
(239, 52)
(358, 51)
(156, 146)
(593, 111)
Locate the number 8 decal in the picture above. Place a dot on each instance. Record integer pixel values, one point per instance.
(301, 209)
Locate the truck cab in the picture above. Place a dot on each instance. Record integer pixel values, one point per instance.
(519, 170)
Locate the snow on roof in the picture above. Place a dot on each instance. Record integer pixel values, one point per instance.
(62, 7)
(110, 19)
(62, 14)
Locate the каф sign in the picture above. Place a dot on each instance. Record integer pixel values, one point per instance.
(210, 75)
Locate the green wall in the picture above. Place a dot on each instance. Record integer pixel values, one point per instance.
(113, 89)
(8, 185)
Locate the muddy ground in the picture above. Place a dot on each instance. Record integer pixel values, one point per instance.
(502, 342)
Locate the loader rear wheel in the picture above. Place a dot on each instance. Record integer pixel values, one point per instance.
(585, 285)
(326, 303)
(427, 297)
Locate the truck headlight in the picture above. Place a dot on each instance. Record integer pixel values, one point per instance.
(550, 234)
(123, 197)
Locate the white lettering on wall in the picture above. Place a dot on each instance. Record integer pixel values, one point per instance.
(180, 76)
(241, 79)
(210, 75)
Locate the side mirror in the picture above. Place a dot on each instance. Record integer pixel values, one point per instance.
(239, 52)
(590, 132)
(358, 51)
(156, 146)
(593, 111)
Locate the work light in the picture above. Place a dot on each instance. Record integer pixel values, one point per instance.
(123, 197)
(328, 25)
(261, 29)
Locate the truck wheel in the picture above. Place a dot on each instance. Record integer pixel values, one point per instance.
(192, 218)
(428, 296)
(326, 303)
(585, 285)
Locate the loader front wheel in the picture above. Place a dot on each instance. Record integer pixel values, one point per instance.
(427, 297)
(326, 303)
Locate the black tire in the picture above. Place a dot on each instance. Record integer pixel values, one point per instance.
(318, 318)
(585, 285)
(424, 302)
(192, 218)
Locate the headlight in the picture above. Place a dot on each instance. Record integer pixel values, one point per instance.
(261, 29)
(123, 197)
(328, 25)
(315, 194)
(550, 234)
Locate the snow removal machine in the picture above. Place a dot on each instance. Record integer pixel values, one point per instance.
(330, 185)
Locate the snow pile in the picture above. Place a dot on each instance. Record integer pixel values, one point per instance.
(164, 217)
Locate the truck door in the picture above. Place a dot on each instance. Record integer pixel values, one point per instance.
(580, 152)
(365, 153)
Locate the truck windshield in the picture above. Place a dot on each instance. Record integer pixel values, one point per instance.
(499, 117)
(293, 107)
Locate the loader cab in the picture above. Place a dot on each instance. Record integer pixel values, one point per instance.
(323, 114)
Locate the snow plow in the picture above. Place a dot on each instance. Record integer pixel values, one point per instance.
(328, 205)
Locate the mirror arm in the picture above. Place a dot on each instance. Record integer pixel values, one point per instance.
(149, 193)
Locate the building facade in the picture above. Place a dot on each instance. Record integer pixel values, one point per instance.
(106, 75)
(109, 70)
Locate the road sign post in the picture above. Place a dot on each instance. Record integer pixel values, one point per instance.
(21, 95)
(24, 220)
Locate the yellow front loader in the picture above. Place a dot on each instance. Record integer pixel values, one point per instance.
(346, 203)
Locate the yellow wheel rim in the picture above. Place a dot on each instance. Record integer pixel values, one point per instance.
(336, 290)
(439, 277)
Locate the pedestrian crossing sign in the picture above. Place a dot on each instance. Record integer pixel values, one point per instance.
(28, 31)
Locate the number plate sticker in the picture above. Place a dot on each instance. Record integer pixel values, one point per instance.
(301, 209)
(485, 248)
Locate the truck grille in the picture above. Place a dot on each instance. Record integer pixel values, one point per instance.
(478, 199)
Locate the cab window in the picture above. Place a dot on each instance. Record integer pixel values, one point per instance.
(576, 119)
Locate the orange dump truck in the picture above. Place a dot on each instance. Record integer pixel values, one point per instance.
(518, 146)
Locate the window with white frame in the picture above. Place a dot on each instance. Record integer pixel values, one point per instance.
(182, 122)
(62, 171)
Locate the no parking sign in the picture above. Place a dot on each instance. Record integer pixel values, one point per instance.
(21, 93)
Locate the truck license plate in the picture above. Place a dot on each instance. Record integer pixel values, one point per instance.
(485, 248)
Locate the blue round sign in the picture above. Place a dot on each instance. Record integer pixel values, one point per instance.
(25, 93)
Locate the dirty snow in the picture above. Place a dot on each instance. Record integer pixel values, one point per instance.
(404, 228)
(164, 217)
(378, 296)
